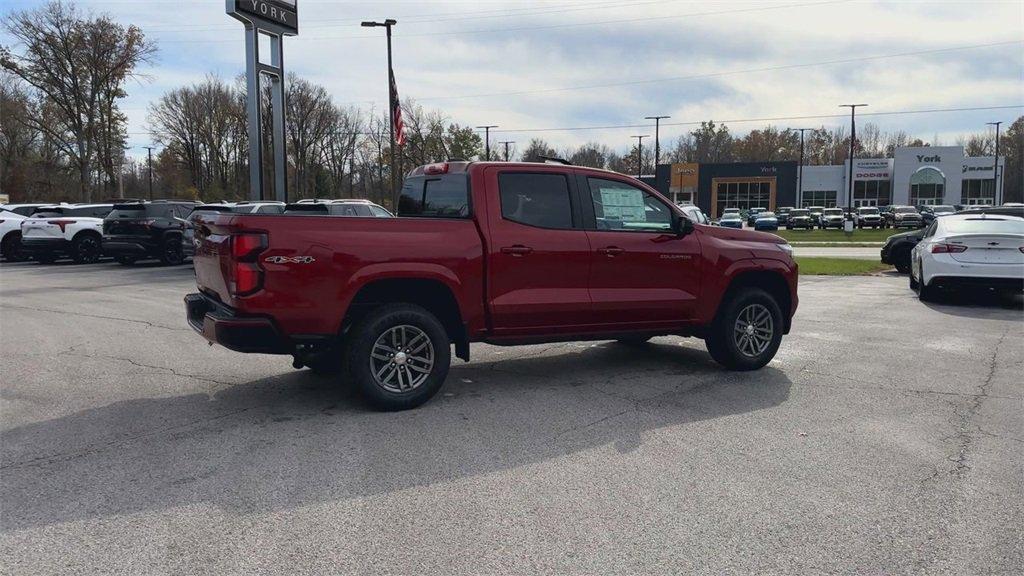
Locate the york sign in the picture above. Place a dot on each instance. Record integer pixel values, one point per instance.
(280, 13)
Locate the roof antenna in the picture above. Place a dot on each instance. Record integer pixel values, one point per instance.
(555, 160)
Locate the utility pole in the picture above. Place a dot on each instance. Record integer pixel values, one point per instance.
(800, 169)
(149, 150)
(506, 143)
(996, 183)
(657, 139)
(487, 140)
(387, 24)
(853, 142)
(640, 154)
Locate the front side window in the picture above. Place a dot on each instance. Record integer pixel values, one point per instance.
(620, 206)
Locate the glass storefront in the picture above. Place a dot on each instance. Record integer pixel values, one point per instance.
(977, 192)
(927, 187)
(743, 195)
(826, 198)
(871, 193)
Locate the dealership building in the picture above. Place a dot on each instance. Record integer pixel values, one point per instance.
(914, 176)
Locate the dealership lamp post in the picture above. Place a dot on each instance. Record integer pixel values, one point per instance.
(487, 140)
(853, 143)
(800, 169)
(996, 183)
(640, 154)
(387, 24)
(657, 139)
(506, 143)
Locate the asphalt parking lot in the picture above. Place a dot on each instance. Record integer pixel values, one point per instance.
(885, 438)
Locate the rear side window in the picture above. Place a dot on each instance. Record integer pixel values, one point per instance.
(540, 200)
(441, 197)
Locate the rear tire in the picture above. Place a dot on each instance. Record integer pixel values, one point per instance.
(902, 261)
(747, 331)
(86, 248)
(398, 356)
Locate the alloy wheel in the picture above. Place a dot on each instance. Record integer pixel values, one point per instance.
(753, 330)
(402, 358)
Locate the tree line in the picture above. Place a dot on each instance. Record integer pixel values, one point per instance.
(63, 136)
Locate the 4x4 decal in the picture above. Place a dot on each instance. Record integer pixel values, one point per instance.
(289, 259)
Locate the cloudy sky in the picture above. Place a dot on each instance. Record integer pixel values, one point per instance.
(535, 67)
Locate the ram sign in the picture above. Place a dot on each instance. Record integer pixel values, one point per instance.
(280, 14)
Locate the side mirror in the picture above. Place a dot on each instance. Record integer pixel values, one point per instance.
(682, 226)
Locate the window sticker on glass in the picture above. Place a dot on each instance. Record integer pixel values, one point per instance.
(619, 206)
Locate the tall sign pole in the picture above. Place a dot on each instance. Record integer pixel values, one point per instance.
(640, 154)
(996, 183)
(274, 19)
(853, 143)
(657, 137)
(800, 171)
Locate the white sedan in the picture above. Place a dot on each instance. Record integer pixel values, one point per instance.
(985, 250)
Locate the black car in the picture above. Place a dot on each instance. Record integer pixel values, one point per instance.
(929, 213)
(752, 215)
(133, 232)
(868, 217)
(886, 213)
(782, 214)
(897, 249)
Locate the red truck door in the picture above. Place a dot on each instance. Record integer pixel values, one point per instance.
(538, 251)
(642, 274)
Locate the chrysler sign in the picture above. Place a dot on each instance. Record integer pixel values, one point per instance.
(281, 14)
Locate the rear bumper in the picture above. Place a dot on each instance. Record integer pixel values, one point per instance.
(966, 282)
(222, 325)
(32, 245)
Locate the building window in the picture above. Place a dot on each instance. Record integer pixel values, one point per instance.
(826, 198)
(927, 187)
(871, 193)
(743, 195)
(977, 192)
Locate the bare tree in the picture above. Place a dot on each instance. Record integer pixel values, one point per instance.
(76, 65)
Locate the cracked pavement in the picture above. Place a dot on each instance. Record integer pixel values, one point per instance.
(886, 438)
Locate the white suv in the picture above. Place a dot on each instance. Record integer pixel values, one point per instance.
(11, 216)
(75, 231)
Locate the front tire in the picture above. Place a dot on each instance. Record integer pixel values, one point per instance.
(11, 248)
(747, 331)
(398, 356)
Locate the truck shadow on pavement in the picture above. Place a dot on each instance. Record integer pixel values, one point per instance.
(296, 439)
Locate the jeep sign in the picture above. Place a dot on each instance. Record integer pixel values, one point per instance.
(280, 14)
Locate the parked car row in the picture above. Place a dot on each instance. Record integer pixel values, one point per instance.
(133, 231)
(899, 249)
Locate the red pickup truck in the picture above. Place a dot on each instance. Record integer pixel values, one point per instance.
(503, 253)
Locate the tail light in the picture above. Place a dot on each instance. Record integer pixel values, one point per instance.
(246, 274)
(61, 223)
(948, 249)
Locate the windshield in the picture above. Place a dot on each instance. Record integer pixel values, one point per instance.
(943, 209)
(905, 210)
(869, 210)
(731, 216)
(799, 212)
(834, 212)
(766, 215)
(985, 225)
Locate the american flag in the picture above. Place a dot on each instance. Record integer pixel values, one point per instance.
(396, 113)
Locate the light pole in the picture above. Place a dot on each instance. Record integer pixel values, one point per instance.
(996, 183)
(149, 151)
(853, 141)
(487, 140)
(640, 154)
(800, 169)
(387, 24)
(657, 140)
(506, 143)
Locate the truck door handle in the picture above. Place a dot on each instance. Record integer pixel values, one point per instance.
(518, 250)
(611, 251)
